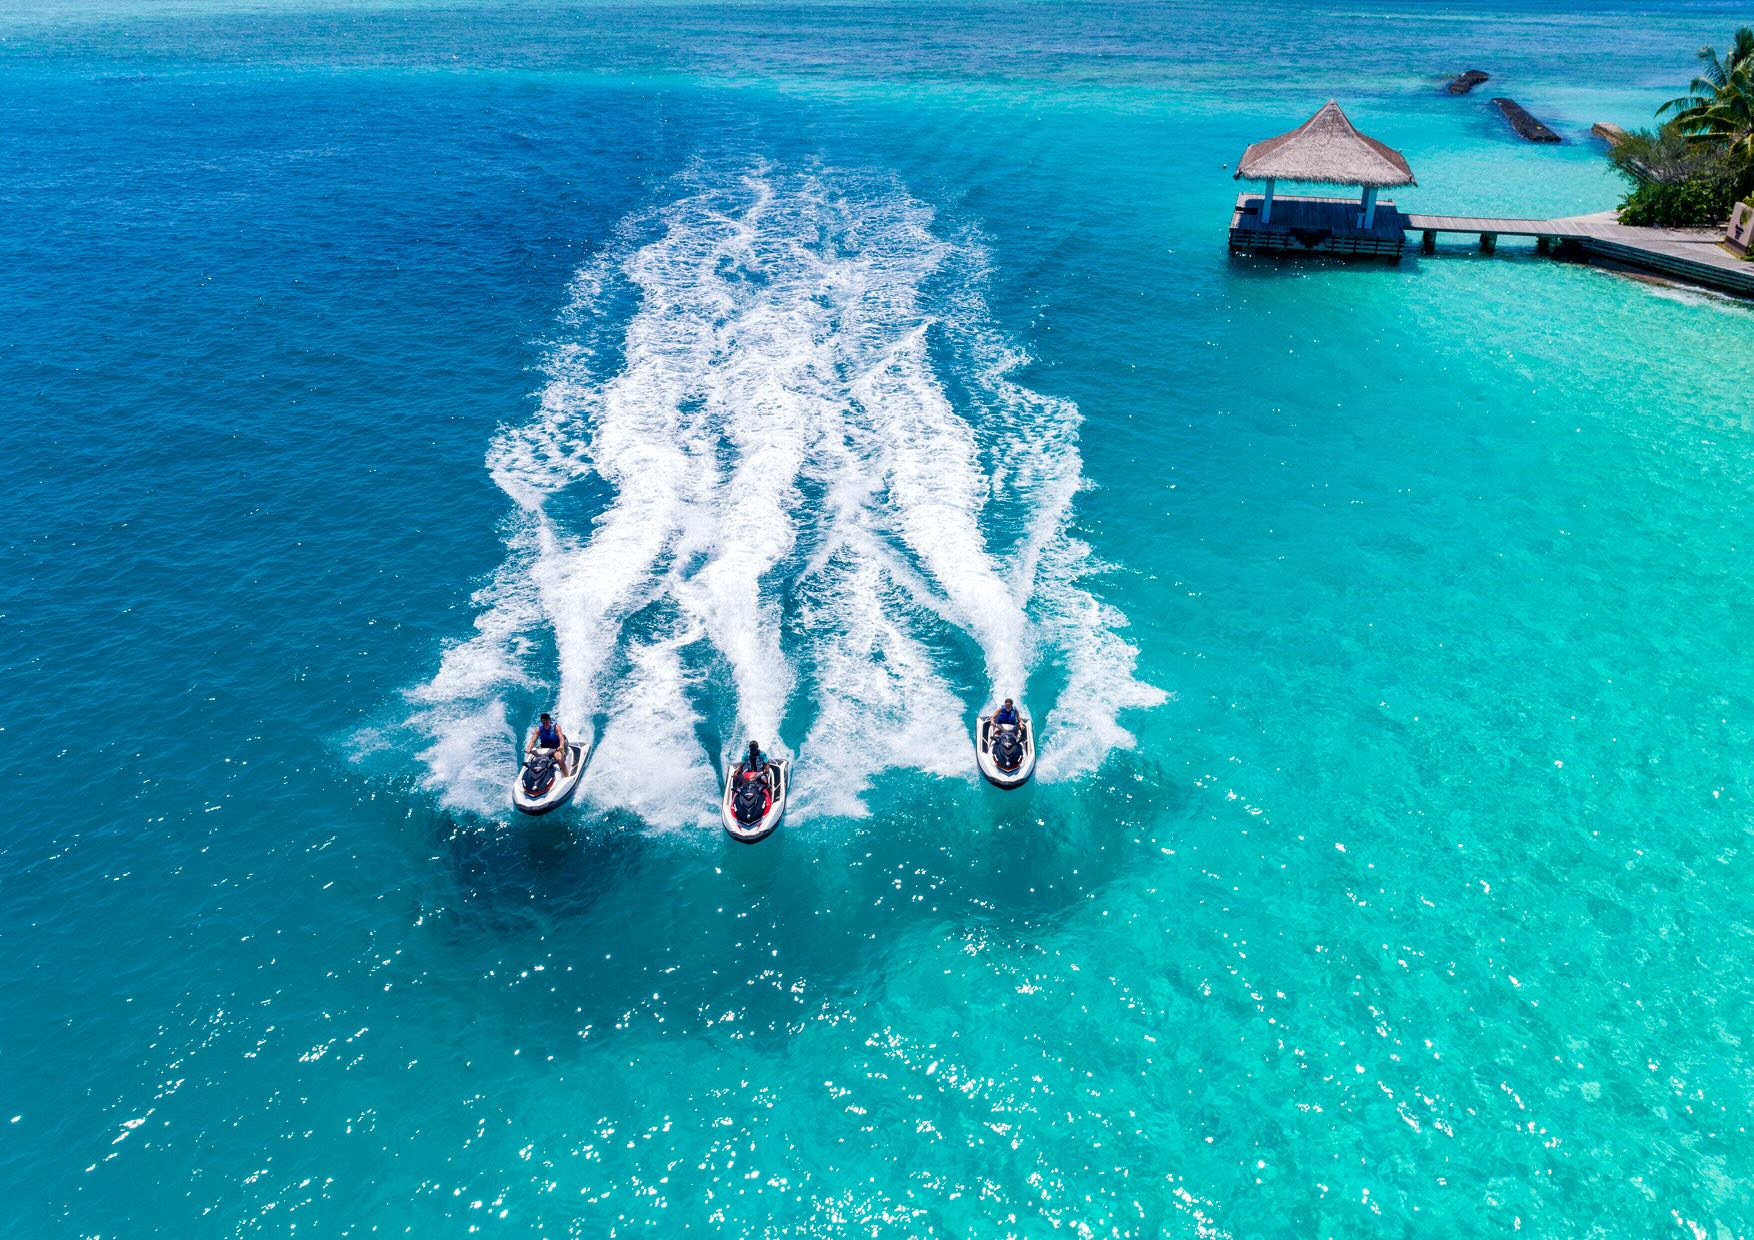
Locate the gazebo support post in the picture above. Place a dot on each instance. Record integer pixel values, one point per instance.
(1267, 202)
(1368, 202)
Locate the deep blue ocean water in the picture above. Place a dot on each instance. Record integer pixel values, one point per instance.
(375, 377)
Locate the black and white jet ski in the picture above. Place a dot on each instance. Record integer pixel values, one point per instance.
(540, 786)
(1005, 751)
(753, 807)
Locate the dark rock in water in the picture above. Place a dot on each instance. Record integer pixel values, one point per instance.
(1527, 127)
(1462, 83)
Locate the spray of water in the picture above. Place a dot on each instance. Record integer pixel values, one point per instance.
(746, 482)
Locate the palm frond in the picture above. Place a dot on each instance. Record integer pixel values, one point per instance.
(1715, 74)
(1742, 50)
(1683, 103)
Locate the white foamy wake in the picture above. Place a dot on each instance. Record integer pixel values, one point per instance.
(1033, 443)
(461, 711)
(747, 470)
(928, 457)
(648, 761)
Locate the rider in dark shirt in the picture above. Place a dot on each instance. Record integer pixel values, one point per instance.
(547, 735)
(1006, 714)
(753, 764)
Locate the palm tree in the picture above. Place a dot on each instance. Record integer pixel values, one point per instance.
(1719, 110)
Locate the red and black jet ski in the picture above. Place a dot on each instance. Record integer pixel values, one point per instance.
(755, 799)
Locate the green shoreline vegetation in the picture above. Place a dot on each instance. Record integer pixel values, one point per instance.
(1691, 169)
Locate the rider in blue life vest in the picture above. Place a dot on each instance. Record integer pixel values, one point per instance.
(547, 735)
(1006, 714)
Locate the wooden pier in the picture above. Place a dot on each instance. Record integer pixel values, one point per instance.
(1693, 255)
(1335, 226)
(1328, 149)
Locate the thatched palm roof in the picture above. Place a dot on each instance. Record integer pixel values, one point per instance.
(1326, 149)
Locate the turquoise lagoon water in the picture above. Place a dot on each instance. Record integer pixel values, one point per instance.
(376, 376)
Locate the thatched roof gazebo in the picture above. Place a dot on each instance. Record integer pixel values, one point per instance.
(1326, 149)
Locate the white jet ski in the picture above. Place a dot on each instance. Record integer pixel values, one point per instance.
(754, 807)
(540, 786)
(1006, 751)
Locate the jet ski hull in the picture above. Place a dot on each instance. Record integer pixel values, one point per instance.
(559, 792)
(749, 833)
(983, 752)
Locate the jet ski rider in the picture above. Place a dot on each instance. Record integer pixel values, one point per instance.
(547, 735)
(1006, 716)
(754, 764)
